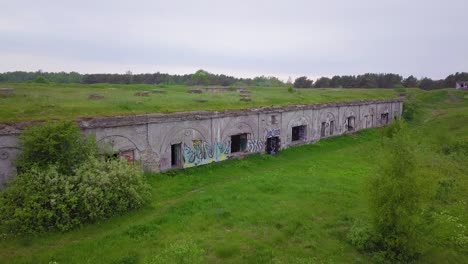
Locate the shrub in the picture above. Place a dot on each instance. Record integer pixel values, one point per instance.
(394, 128)
(56, 143)
(40, 200)
(454, 147)
(410, 109)
(109, 188)
(361, 236)
(396, 201)
(62, 183)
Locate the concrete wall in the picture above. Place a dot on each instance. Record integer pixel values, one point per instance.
(205, 137)
(462, 85)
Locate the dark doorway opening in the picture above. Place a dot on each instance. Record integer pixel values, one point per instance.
(238, 143)
(322, 129)
(273, 145)
(176, 155)
(384, 118)
(351, 123)
(298, 133)
(332, 127)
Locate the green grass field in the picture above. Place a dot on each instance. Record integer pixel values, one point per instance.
(296, 207)
(68, 101)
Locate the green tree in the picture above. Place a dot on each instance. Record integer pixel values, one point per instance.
(201, 77)
(397, 194)
(56, 143)
(303, 82)
(427, 84)
(41, 79)
(322, 82)
(410, 82)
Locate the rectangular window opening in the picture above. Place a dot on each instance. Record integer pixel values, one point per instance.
(274, 121)
(176, 155)
(238, 143)
(298, 133)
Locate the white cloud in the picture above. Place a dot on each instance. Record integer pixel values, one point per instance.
(236, 37)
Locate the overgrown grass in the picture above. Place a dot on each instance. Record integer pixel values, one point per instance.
(33, 101)
(295, 207)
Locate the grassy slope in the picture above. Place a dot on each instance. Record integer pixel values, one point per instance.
(67, 101)
(295, 207)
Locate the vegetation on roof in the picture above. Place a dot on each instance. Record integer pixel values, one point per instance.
(35, 101)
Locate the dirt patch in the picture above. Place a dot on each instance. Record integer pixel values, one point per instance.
(95, 97)
(142, 93)
(6, 92)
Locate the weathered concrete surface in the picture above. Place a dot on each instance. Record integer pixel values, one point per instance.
(205, 136)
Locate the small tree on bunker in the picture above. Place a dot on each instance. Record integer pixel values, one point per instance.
(396, 197)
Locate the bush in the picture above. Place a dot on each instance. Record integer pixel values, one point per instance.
(394, 128)
(410, 110)
(63, 184)
(454, 147)
(40, 200)
(397, 195)
(361, 236)
(56, 143)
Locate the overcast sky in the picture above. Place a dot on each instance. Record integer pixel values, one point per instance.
(239, 37)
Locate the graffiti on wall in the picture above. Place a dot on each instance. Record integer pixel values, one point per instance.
(254, 145)
(275, 132)
(204, 153)
(222, 150)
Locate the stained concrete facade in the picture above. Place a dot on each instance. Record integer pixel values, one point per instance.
(180, 140)
(462, 85)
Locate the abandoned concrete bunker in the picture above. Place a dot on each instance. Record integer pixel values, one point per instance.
(181, 140)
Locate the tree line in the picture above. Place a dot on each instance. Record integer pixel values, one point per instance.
(380, 80)
(202, 77)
